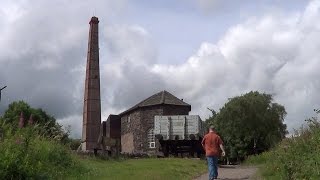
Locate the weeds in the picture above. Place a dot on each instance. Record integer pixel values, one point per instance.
(297, 157)
(26, 155)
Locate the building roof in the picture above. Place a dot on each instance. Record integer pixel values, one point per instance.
(161, 98)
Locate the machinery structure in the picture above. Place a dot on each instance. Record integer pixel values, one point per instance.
(179, 134)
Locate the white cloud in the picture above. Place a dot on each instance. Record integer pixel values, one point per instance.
(129, 43)
(273, 54)
(42, 55)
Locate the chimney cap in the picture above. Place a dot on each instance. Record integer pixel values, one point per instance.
(94, 20)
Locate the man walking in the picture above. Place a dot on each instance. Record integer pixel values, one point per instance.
(212, 144)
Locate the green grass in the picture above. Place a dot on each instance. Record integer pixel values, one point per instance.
(150, 168)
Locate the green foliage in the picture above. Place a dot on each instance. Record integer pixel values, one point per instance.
(297, 157)
(74, 143)
(26, 155)
(47, 125)
(250, 123)
(12, 114)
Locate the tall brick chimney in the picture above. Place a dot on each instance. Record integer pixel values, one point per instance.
(92, 103)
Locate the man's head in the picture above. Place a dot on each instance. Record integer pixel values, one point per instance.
(211, 128)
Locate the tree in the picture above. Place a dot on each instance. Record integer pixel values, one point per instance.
(44, 123)
(249, 124)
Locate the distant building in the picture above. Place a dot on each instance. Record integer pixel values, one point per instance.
(137, 123)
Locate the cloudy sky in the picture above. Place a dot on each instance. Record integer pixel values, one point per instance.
(204, 51)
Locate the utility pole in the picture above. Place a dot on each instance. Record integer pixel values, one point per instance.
(1, 90)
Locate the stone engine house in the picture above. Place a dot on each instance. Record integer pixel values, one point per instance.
(137, 123)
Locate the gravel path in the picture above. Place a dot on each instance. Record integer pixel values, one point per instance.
(233, 173)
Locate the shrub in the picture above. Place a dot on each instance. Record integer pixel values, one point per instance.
(25, 155)
(297, 157)
(74, 143)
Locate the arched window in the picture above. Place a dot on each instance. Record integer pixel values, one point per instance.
(151, 139)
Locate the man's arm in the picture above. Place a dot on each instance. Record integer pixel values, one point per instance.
(221, 146)
(202, 142)
(222, 149)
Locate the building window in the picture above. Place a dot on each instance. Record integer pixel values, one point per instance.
(129, 119)
(151, 139)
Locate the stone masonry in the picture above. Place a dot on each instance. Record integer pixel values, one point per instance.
(137, 121)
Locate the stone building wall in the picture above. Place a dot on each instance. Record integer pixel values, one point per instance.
(147, 120)
(130, 124)
(176, 110)
(136, 124)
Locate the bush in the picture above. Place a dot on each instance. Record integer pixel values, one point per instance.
(25, 155)
(297, 157)
(74, 144)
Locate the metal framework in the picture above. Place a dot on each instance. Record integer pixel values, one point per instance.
(1, 90)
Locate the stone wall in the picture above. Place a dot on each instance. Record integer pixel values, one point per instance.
(176, 110)
(147, 119)
(136, 124)
(127, 144)
(130, 126)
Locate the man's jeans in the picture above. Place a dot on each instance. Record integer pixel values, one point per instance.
(212, 166)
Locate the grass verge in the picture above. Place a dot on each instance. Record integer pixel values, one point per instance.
(150, 168)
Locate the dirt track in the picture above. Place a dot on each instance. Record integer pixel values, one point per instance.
(233, 173)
